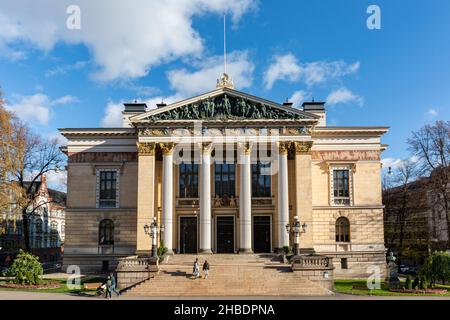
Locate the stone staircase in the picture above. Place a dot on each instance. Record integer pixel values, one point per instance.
(230, 275)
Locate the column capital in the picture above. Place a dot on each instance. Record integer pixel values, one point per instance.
(206, 147)
(146, 148)
(245, 147)
(283, 147)
(167, 148)
(302, 147)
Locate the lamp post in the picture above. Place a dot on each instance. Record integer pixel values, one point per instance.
(153, 230)
(296, 229)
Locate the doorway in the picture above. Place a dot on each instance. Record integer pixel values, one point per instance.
(188, 235)
(261, 234)
(225, 234)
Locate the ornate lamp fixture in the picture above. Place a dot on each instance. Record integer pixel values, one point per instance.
(296, 229)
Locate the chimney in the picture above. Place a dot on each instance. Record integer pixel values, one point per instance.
(287, 103)
(317, 108)
(132, 109)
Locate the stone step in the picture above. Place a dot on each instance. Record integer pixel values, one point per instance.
(228, 280)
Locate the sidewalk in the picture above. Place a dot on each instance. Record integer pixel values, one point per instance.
(18, 295)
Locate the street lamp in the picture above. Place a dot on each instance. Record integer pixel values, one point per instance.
(296, 229)
(152, 230)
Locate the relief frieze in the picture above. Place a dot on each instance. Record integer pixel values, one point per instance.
(119, 157)
(346, 155)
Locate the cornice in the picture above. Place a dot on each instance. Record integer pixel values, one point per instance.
(98, 132)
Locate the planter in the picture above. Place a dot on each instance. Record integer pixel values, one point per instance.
(48, 285)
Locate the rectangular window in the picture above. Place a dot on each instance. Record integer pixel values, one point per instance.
(341, 187)
(188, 182)
(260, 182)
(107, 189)
(344, 263)
(225, 179)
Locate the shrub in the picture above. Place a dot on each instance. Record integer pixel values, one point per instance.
(26, 269)
(408, 283)
(287, 250)
(162, 250)
(437, 268)
(423, 283)
(415, 284)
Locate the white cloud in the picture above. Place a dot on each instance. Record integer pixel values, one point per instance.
(113, 111)
(432, 113)
(64, 69)
(343, 95)
(322, 71)
(36, 108)
(125, 40)
(57, 180)
(113, 115)
(391, 162)
(284, 67)
(58, 137)
(288, 68)
(187, 83)
(298, 97)
(395, 162)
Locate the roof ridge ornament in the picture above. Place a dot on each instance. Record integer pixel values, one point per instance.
(225, 82)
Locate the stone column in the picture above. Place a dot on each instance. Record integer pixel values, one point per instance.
(167, 194)
(145, 196)
(303, 192)
(245, 199)
(205, 200)
(283, 195)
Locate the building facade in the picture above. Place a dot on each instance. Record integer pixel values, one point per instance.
(47, 225)
(224, 172)
(415, 221)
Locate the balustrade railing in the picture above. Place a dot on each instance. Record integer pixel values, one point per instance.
(133, 264)
(313, 262)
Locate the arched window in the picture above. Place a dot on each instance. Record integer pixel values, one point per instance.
(342, 230)
(106, 232)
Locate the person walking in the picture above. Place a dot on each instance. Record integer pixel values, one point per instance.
(114, 285)
(206, 268)
(196, 269)
(108, 288)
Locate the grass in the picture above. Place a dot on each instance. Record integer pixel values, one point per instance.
(63, 286)
(346, 286)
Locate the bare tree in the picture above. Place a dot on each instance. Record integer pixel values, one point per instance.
(25, 158)
(431, 145)
(41, 156)
(397, 198)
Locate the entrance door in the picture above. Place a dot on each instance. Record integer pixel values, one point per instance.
(261, 234)
(188, 235)
(225, 234)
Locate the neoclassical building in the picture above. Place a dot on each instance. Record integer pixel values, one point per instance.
(224, 172)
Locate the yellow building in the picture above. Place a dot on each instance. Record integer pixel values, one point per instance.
(225, 172)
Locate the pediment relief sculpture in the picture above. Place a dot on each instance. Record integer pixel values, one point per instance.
(225, 107)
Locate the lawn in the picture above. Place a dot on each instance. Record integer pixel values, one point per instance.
(63, 286)
(355, 286)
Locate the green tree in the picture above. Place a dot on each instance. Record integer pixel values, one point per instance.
(26, 269)
(437, 268)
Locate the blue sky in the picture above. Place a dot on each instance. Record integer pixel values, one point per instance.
(398, 76)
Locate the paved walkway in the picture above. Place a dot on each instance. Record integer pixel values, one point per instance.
(18, 295)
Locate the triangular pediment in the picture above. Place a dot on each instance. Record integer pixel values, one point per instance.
(224, 104)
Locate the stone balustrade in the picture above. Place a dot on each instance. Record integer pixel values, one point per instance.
(134, 269)
(316, 268)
